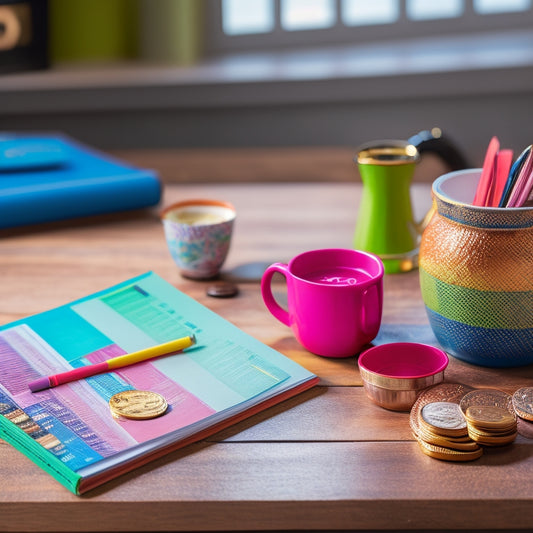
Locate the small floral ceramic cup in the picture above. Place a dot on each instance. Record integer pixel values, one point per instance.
(198, 235)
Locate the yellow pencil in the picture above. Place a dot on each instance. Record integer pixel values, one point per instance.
(111, 364)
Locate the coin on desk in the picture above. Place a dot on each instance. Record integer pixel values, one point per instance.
(491, 439)
(222, 289)
(523, 403)
(137, 404)
(447, 454)
(443, 418)
(490, 418)
(443, 392)
(464, 443)
(488, 398)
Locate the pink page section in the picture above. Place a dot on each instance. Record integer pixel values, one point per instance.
(184, 408)
(21, 355)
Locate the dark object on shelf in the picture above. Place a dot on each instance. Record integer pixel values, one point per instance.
(23, 35)
(433, 141)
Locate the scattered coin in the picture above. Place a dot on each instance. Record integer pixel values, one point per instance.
(137, 404)
(222, 289)
(523, 403)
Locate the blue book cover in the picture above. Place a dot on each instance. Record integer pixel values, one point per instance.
(46, 178)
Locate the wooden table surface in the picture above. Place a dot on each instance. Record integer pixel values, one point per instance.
(328, 459)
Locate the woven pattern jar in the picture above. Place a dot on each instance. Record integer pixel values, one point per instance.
(476, 275)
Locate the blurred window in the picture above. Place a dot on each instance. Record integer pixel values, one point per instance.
(354, 13)
(501, 6)
(247, 16)
(237, 25)
(307, 14)
(427, 9)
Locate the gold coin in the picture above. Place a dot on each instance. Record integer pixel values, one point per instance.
(491, 418)
(488, 432)
(460, 438)
(487, 397)
(443, 418)
(523, 403)
(137, 404)
(447, 442)
(493, 440)
(445, 454)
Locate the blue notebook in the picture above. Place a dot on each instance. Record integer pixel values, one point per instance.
(45, 178)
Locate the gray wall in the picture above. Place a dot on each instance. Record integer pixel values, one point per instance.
(472, 92)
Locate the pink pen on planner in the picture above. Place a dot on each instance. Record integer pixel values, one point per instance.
(504, 160)
(485, 181)
(112, 364)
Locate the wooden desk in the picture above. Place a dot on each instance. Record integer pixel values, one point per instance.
(328, 459)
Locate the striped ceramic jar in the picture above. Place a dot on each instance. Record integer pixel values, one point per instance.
(476, 275)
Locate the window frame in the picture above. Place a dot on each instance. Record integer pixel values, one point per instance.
(218, 43)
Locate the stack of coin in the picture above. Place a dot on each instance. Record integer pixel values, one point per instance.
(442, 433)
(428, 430)
(137, 404)
(490, 417)
(443, 392)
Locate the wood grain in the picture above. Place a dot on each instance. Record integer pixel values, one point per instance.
(283, 486)
(326, 460)
(323, 413)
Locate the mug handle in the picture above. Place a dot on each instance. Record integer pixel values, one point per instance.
(371, 308)
(266, 290)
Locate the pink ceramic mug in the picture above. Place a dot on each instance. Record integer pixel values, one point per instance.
(334, 298)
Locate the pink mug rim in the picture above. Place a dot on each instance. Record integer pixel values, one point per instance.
(373, 278)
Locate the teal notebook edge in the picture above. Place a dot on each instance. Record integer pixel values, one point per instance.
(47, 177)
(15, 436)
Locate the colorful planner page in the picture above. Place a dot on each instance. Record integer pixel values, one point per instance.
(226, 372)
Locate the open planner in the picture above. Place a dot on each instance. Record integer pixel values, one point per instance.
(69, 430)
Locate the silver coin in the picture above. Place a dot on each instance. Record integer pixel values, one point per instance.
(445, 415)
(523, 403)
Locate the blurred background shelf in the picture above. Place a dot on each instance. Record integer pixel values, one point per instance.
(322, 99)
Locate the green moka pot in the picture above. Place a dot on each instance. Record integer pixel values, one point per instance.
(385, 225)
